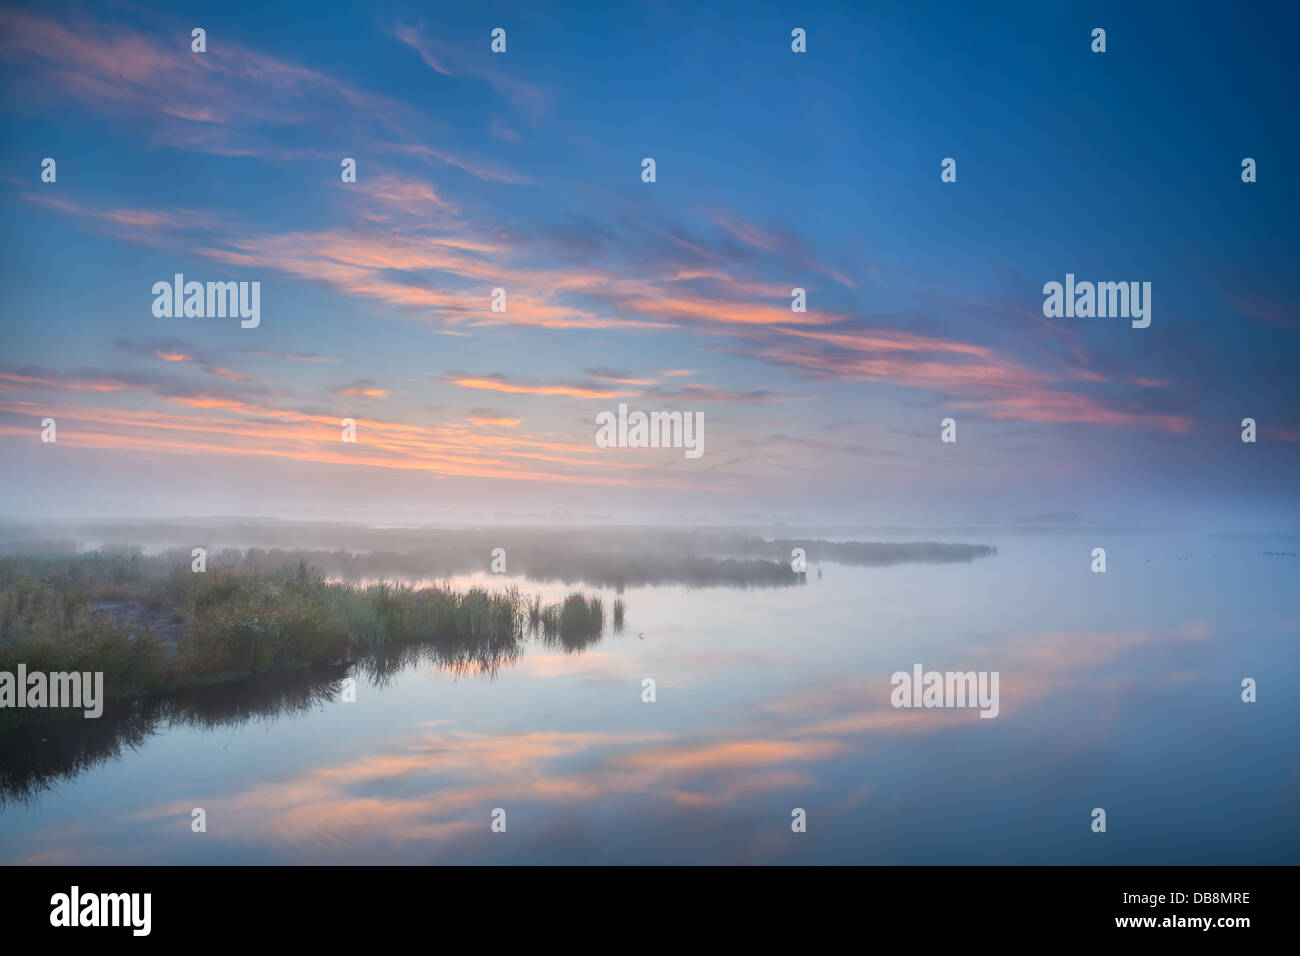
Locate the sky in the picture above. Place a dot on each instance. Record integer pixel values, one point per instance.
(774, 170)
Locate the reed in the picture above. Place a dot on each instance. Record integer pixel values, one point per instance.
(149, 623)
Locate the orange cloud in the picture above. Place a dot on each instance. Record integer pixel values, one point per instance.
(518, 388)
(251, 429)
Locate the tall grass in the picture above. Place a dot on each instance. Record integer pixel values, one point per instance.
(189, 629)
(573, 623)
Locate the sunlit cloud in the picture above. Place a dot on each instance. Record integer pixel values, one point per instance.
(499, 383)
(361, 388)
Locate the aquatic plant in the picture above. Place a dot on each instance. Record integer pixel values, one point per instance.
(150, 623)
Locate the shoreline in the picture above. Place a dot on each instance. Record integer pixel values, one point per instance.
(151, 625)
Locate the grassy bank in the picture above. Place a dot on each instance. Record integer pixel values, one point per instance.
(150, 623)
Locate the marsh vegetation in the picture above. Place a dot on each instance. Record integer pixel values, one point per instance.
(149, 623)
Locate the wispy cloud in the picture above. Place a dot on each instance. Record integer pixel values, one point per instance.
(497, 382)
(361, 388)
(528, 99)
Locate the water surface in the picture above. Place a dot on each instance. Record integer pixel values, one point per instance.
(1117, 690)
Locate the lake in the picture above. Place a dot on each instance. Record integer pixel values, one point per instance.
(1119, 691)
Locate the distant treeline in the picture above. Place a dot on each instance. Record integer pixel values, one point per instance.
(879, 554)
(597, 557)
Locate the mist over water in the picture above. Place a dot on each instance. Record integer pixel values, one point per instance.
(1118, 690)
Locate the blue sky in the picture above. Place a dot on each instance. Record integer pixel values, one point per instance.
(774, 170)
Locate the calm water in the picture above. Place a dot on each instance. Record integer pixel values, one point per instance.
(1119, 691)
